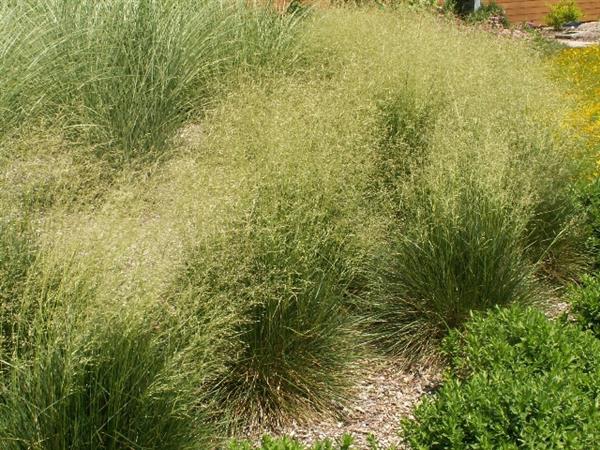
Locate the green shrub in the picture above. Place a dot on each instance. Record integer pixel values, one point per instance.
(585, 301)
(564, 11)
(515, 380)
(589, 196)
(486, 12)
(460, 7)
(268, 443)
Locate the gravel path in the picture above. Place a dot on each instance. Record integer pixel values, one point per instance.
(584, 35)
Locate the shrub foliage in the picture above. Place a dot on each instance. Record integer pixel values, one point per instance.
(516, 379)
(562, 12)
(585, 301)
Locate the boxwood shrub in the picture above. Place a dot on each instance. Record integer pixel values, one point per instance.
(516, 380)
(585, 301)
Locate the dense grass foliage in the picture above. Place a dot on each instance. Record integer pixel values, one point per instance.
(17, 255)
(113, 385)
(456, 257)
(288, 292)
(207, 208)
(461, 189)
(516, 380)
(127, 74)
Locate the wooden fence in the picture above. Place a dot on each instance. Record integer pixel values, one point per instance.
(517, 10)
(535, 10)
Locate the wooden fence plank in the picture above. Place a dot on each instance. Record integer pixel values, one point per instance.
(536, 10)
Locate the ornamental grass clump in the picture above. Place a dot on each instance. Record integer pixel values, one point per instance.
(125, 75)
(86, 371)
(282, 273)
(459, 253)
(471, 187)
(17, 256)
(116, 384)
(284, 259)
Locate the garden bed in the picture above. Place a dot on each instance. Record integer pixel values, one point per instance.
(219, 220)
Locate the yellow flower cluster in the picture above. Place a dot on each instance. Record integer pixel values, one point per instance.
(581, 69)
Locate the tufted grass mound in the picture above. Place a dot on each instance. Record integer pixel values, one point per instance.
(127, 74)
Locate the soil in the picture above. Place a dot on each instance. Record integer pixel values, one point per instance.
(385, 395)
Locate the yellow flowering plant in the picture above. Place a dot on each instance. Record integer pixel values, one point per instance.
(581, 69)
